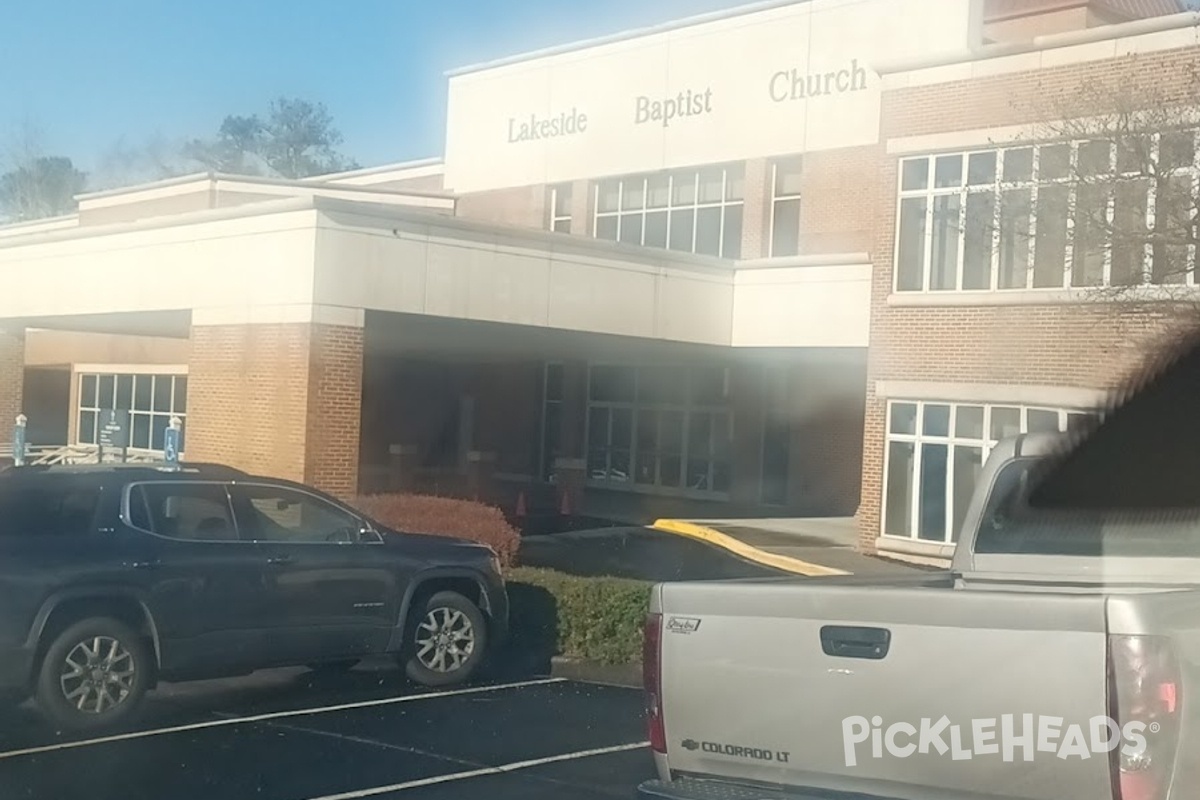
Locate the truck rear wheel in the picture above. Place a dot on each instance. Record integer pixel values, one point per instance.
(448, 641)
(94, 675)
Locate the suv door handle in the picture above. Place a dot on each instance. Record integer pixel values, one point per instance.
(279, 561)
(144, 564)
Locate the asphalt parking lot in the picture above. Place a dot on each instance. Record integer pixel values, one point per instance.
(285, 735)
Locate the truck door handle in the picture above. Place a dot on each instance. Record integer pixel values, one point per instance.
(279, 561)
(852, 641)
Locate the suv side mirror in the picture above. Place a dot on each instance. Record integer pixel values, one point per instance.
(368, 535)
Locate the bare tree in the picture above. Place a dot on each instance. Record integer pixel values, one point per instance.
(126, 163)
(34, 185)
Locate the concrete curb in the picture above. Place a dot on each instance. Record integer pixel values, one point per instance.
(573, 669)
(740, 548)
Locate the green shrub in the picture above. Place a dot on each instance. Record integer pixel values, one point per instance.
(444, 516)
(595, 619)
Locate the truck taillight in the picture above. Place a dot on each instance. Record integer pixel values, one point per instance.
(652, 681)
(1144, 697)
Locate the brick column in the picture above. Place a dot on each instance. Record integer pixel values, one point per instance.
(278, 399)
(581, 208)
(756, 208)
(12, 380)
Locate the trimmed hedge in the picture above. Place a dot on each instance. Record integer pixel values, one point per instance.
(594, 619)
(444, 516)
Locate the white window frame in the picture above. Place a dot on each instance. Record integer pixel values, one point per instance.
(951, 442)
(776, 199)
(554, 217)
(998, 187)
(674, 178)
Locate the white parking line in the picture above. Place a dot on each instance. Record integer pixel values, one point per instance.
(476, 773)
(216, 723)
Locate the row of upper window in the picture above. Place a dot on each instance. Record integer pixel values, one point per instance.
(1049, 216)
(688, 210)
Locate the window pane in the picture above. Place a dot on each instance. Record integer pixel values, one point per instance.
(180, 401)
(697, 475)
(663, 385)
(968, 464)
(911, 257)
(1054, 162)
(1135, 155)
(1093, 158)
(1173, 209)
(107, 388)
(277, 514)
(597, 427)
(700, 435)
(670, 432)
(708, 231)
(1040, 420)
(647, 429)
(936, 421)
(158, 427)
(197, 511)
(670, 471)
(683, 188)
(785, 228)
(915, 174)
(1088, 239)
(87, 427)
(735, 182)
(646, 470)
(708, 386)
(712, 185)
(597, 465)
(968, 422)
(903, 418)
(731, 237)
(631, 228)
(682, 225)
(656, 229)
(1129, 232)
(621, 436)
(787, 177)
(720, 479)
(1014, 239)
(562, 200)
(1176, 149)
(143, 392)
(162, 393)
(1050, 243)
(981, 168)
(977, 246)
(658, 192)
(606, 228)
(633, 193)
(1005, 422)
(1018, 164)
(140, 434)
(933, 492)
(898, 514)
(87, 391)
(618, 465)
(944, 258)
(125, 391)
(947, 171)
(608, 195)
(610, 383)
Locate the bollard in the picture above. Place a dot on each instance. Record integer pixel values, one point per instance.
(19, 441)
(171, 442)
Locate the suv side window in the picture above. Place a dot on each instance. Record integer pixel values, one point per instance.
(183, 510)
(281, 514)
(48, 508)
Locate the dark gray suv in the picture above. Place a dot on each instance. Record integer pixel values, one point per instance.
(114, 577)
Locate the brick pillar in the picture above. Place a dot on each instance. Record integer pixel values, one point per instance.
(12, 380)
(279, 399)
(756, 209)
(869, 512)
(581, 208)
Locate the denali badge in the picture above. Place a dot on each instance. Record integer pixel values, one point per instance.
(683, 624)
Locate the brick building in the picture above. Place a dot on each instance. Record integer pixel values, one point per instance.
(647, 268)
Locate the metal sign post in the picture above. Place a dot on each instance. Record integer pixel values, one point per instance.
(171, 442)
(19, 441)
(113, 433)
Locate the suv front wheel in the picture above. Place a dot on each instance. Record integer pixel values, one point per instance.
(448, 640)
(94, 674)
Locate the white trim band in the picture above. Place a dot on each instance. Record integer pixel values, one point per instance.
(1069, 397)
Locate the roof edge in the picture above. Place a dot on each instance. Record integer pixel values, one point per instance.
(633, 33)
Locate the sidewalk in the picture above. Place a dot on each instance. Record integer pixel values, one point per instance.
(813, 546)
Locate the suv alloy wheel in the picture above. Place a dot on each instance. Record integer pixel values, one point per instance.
(94, 674)
(448, 640)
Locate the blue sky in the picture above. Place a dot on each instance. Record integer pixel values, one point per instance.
(90, 75)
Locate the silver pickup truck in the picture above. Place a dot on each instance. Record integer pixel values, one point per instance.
(1056, 659)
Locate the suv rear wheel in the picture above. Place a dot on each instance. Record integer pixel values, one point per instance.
(448, 640)
(94, 674)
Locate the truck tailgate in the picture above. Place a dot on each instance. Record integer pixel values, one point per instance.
(774, 683)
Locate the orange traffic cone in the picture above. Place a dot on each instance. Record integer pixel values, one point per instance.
(521, 511)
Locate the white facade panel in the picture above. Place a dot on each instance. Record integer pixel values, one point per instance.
(812, 306)
(786, 79)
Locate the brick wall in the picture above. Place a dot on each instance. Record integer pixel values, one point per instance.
(826, 407)
(278, 400)
(756, 213)
(522, 206)
(1087, 344)
(839, 198)
(12, 375)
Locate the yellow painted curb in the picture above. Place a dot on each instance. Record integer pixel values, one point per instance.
(715, 537)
